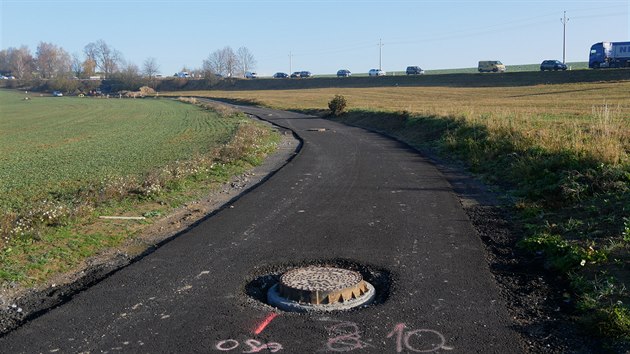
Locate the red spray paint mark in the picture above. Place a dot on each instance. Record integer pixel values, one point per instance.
(265, 323)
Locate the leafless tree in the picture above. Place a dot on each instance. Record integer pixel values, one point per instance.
(4, 61)
(150, 68)
(231, 62)
(222, 61)
(107, 59)
(77, 66)
(52, 61)
(210, 67)
(245, 60)
(214, 64)
(19, 62)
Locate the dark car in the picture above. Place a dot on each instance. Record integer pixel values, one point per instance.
(295, 75)
(414, 70)
(280, 75)
(305, 74)
(552, 65)
(344, 73)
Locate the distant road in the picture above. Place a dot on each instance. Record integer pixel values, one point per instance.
(521, 78)
(350, 197)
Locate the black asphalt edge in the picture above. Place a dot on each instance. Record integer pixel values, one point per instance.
(15, 312)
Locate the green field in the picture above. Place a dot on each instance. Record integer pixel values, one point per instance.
(68, 160)
(53, 143)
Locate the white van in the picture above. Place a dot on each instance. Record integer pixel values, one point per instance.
(486, 66)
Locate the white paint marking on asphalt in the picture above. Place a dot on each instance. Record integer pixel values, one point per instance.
(205, 272)
(184, 288)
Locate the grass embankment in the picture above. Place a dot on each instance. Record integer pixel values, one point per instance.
(66, 161)
(560, 153)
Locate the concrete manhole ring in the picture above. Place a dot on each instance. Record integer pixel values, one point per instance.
(320, 289)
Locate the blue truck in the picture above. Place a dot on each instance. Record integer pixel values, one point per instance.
(609, 55)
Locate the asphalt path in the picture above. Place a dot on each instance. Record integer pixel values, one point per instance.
(349, 198)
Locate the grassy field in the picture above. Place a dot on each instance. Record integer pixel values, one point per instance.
(559, 154)
(67, 160)
(52, 143)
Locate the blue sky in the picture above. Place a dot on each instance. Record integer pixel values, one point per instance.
(322, 36)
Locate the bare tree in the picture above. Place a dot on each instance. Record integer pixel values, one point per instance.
(207, 69)
(150, 68)
(64, 63)
(21, 63)
(245, 60)
(214, 64)
(46, 57)
(107, 59)
(90, 52)
(5, 64)
(52, 61)
(77, 66)
(222, 61)
(230, 61)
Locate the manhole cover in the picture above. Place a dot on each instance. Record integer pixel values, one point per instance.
(320, 289)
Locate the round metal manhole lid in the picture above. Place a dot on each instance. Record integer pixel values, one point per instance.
(320, 288)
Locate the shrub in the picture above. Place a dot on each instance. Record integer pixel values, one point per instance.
(337, 105)
(147, 91)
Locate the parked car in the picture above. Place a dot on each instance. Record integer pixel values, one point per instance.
(414, 70)
(57, 94)
(250, 75)
(280, 75)
(344, 73)
(305, 74)
(296, 75)
(376, 72)
(554, 65)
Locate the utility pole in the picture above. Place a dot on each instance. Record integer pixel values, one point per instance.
(380, 54)
(290, 63)
(564, 21)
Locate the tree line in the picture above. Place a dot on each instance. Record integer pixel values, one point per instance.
(100, 60)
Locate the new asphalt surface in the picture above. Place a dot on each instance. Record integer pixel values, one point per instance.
(350, 198)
